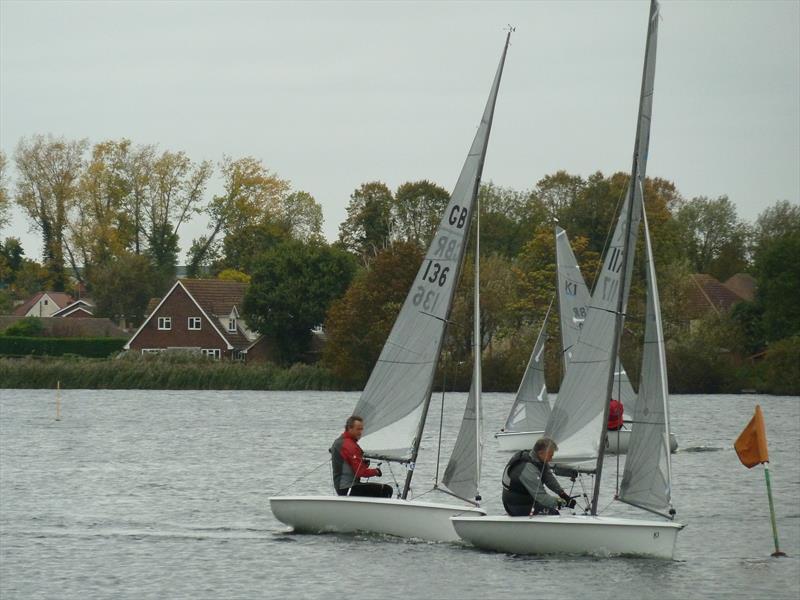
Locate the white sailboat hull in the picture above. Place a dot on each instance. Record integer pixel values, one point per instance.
(390, 516)
(511, 441)
(568, 534)
(617, 441)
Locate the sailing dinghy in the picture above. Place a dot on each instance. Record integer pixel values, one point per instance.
(578, 420)
(526, 421)
(395, 401)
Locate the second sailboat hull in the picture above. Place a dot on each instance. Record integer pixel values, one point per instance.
(617, 441)
(349, 514)
(593, 535)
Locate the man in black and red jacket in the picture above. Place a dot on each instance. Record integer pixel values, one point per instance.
(349, 464)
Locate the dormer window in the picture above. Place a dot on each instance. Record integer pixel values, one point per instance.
(164, 323)
(232, 325)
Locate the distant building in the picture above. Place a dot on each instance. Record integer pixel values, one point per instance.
(43, 304)
(203, 316)
(706, 294)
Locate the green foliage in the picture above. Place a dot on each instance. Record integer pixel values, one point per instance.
(27, 327)
(242, 250)
(778, 274)
(707, 359)
(290, 291)
(368, 227)
(48, 346)
(779, 372)
(417, 211)
(159, 372)
(716, 239)
(122, 287)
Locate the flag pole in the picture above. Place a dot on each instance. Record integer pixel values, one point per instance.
(772, 512)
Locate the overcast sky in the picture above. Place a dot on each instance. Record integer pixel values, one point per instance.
(332, 95)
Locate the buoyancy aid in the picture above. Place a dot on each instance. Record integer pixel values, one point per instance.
(511, 473)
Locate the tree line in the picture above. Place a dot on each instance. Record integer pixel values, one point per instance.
(110, 217)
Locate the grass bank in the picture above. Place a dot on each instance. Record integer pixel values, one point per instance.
(159, 372)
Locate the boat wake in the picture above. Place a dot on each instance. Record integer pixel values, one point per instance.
(701, 449)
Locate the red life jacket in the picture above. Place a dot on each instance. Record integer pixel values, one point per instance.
(615, 411)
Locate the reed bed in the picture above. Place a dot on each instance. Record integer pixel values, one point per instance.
(159, 372)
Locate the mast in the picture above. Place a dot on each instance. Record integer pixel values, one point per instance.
(476, 188)
(639, 156)
(477, 346)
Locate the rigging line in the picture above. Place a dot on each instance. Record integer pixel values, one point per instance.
(391, 472)
(303, 476)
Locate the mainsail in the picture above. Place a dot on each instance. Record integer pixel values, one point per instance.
(395, 401)
(578, 421)
(531, 407)
(573, 300)
(646, 481)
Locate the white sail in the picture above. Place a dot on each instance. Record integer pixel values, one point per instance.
(646, 481)
(573, 298)
(463, 472)
(395, 400)
(578, 416)
(578, 421)
(531, 407)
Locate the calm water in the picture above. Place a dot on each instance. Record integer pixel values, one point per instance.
(139, 494)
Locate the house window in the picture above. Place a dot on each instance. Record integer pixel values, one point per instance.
(152, 350)
(232, 325)
(239, 355)
(165, 323)
(211, 352)
(45, 302)
(194, 323)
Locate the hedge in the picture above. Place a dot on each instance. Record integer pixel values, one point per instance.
(44, 346)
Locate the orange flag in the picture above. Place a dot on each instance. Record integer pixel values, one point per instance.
(751, 445)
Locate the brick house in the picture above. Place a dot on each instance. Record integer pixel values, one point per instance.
(43, 304)
(198, 315)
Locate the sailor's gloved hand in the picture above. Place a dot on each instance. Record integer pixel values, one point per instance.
(379, 472)
(566, 500)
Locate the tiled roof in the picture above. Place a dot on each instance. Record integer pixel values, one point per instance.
(743, 285)
(217, 297)
(61, 300)
(707, 293)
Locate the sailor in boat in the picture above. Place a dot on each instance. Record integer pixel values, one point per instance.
(524, 480)
(615, 410)
(349, 465)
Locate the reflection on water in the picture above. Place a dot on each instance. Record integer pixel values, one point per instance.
(140, 494)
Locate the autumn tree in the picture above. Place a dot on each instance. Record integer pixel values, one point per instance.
(417, 211)
(508, 219)
(715, 239)
(290, 291)
(175, 190)
(100, 226)
(49, 170)
(250, 192)
(122, 286)
(368, 227)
